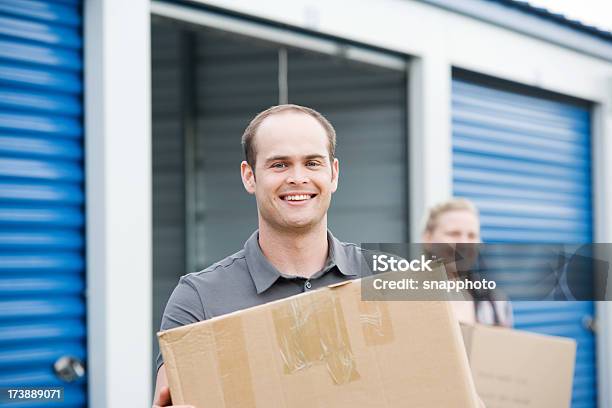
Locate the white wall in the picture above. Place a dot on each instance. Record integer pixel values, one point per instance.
(118, 179)
(419, 29)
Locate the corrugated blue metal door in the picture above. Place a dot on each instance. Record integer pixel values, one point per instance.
(525, 161)
(42, 304)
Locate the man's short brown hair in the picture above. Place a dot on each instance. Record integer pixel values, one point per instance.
(251, 130)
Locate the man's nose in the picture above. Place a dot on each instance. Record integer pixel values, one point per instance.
(297, 175)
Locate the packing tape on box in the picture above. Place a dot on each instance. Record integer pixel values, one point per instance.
(222, 345)
(312, 330)
(234, 374)
(375, 323)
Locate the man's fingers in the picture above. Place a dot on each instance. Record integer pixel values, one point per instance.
(164, 399)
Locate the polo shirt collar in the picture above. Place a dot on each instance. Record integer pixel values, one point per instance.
(337, 255)
(264, 274)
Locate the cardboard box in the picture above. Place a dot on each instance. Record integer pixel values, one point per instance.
(325, 348)
(517, 369)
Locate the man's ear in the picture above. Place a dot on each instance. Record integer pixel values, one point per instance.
(335, 173)
(248, 177)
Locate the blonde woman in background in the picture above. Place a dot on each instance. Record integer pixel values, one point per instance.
(457, 221)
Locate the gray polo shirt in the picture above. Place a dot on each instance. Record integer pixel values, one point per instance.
(247, 279)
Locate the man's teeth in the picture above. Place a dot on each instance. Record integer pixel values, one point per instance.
(297, 197)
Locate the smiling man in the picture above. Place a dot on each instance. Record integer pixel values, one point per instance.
(292, 170)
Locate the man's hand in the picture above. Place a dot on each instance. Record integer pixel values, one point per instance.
(162, 392)
(164, 400)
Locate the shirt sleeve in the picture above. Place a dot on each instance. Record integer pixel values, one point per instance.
(184, 307)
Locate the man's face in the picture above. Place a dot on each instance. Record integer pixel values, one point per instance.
(294, 178)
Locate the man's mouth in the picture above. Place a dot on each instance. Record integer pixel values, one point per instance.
(297, 197)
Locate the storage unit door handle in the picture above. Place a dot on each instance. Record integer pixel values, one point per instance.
(69, 368)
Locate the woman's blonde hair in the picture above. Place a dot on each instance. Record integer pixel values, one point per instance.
(454, 204)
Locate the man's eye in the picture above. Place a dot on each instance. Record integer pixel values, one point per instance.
(278, 165)
(313, 163)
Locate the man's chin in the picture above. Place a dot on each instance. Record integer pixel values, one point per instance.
(301, 225)
(298, 223)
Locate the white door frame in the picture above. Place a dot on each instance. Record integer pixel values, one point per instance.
(118, 201)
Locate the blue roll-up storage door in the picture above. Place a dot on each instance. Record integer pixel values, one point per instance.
(525, 160)
(42, 304)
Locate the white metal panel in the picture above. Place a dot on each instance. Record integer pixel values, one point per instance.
(118, 173)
